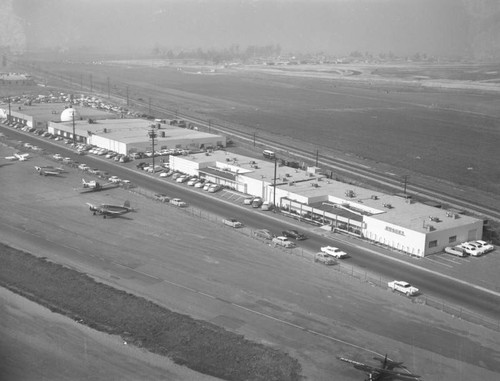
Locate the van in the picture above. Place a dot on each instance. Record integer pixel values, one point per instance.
(269, 154)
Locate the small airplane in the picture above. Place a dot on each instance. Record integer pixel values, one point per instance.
(107, 210)
(383, 372)
(22, 156)
(49, 171)
(18, 156)
(94, 186)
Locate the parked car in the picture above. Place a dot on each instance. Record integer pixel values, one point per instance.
(234, 223)
(176, 175)
(162, 197)
(141, 165)
(324, 258)
(257, 202)
(487, 246)
(294, 234)
(266, 205)
(57, 157)
(199, 184)
(263, 233)
(471, 249)
(456, 250)
(283, 241)
(403, 287)
(207, 186)
(84, 167)
(178, 202)
(215, 188)
(114, 179)
(248, 200)
(334, 251)
(182, 179)
(192, 181)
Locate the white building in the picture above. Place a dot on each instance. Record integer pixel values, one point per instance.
(132, 135)
(390, 220)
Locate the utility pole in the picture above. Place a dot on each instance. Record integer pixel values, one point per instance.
(152, 136)
(274, 182)
(405, 183)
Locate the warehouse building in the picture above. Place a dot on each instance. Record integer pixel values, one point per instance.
(391, 220)
(132, 135)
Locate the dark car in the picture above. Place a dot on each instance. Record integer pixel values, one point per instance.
(294, 234)
(142, 165)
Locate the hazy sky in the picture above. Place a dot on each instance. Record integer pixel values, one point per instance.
(435, 27)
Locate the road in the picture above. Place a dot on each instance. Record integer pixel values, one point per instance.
(454, 291)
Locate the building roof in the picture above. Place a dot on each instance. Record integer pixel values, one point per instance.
(134, 130)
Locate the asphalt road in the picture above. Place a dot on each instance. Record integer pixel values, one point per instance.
(432, 283)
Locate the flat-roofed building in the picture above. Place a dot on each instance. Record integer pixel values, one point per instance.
(132, 135)
(391, 220)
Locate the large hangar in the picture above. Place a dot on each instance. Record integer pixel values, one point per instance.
(133, 135)
(391, 220)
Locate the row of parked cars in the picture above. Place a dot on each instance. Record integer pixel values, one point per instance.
(473, 248)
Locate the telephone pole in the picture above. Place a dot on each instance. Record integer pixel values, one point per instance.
(152, 135)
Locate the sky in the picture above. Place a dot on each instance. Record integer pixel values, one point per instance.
(336, 27)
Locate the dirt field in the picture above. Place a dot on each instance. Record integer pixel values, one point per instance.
(157, 254)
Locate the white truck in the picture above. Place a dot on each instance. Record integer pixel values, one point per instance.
(403, 287)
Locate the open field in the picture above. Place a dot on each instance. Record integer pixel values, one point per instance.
(189, 266)
(400, 115)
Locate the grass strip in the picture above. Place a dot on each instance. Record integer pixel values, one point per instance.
(196, 344)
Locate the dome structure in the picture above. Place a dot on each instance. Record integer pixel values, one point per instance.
(67, 115)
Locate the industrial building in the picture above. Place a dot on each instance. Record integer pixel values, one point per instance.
(132, 135)
(391, 220)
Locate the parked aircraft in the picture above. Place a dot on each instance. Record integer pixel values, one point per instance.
(22, 156)
(110, 210)
(383, 372)
(48, 171)
(94, 186)
(18, 156)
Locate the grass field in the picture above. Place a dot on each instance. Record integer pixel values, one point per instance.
(199, 345)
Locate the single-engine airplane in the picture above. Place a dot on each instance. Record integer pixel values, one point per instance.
(94, 186)
(383, 372)
(18, 156)
(49, 171)
(107, 210)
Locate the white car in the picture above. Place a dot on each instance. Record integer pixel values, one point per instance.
(471, 249)
(192, 181)
(283, 241)
(162, 197)
(57, 156)
(485, 246)
(334, 251)
(232, 222)
(114, 179)
(199, 184)
(164, 174)
(178, 202)
(403, 287)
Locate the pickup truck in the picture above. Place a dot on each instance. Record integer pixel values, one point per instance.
(232, 222)
(403, 287)
(283, 241)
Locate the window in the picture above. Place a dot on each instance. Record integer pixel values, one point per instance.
(433, 243)
(453, 239)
